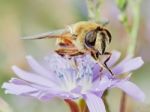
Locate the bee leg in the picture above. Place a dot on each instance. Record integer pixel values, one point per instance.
(68, 51)
(76, 54)
(95, 55)
(101, 67)
(105, 62)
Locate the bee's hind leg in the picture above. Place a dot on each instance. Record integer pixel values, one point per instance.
(105, 62)
(69, 52)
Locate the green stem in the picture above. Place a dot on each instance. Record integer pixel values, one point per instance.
(135, 27)
(132, 31)
(94, 9)
(105, 101)
(133, 34)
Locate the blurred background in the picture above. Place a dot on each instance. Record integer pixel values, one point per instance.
(19, 18)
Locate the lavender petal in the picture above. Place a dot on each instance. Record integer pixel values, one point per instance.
(128, 66)
(131, 89)
(94, 103)
(17, 89)
(32, 77)
(114, 58)
(39, 69)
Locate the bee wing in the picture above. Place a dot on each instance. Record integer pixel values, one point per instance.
(52, 34)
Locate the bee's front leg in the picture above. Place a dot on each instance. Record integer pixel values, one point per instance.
(105, 62)
(95, 54)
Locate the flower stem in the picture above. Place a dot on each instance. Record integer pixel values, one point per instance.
(83, 106)
(133, 34)
(135, 27)
(123, 102)
(93, 7)
(77, 106)
(73, 105)
(105, 101)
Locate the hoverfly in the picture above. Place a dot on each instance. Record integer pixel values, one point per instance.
(80, 38)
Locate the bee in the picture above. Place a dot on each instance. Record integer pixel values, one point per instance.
(80, 38)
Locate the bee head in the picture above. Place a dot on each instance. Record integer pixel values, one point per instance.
(91, 38)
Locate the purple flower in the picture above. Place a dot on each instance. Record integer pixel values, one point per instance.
(74, 78)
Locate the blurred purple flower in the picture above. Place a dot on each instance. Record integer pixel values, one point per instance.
(74, 78)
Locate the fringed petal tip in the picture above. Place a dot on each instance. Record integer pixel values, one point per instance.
(14, 67)
(12, 80)
(142, 97)
(3, 85)
(29, 57)
(127, 66)
(140, 60)
(117, 54)
(132, 90)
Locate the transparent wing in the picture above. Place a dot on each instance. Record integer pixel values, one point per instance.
(52, 34)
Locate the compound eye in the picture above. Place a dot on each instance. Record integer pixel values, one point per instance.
(90, 38)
